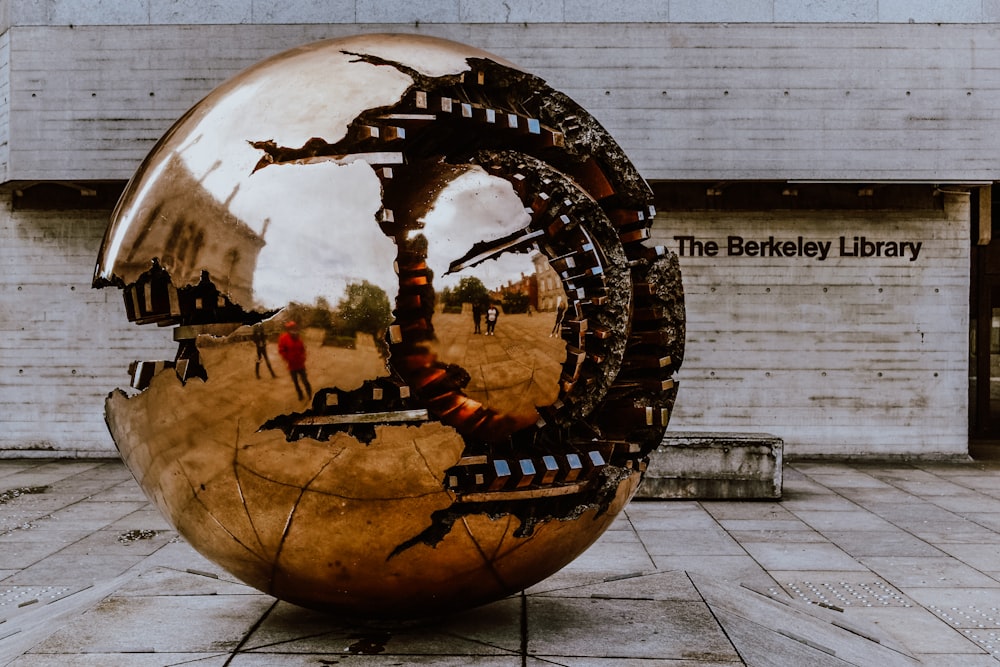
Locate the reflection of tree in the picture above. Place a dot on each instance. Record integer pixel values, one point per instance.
(322, 316)
(469, 290)
(447, 299)
(515, 302)
(365, 308)
(317, 316)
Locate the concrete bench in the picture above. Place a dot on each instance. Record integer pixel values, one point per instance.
(714, 466)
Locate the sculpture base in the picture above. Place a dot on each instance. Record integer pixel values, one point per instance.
(714, 466)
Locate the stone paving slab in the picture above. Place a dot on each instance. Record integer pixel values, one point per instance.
(930, 572)
(159, 624)
(740, 569)
(801, 556)
(860, 564)
(624, 628)
(492, 630)
(890, 542)
(670, 585)
(125, 660)
(711, 542)
(789, 525)
(921, 631)
(307, 660)
(164, 581)
(785, 632)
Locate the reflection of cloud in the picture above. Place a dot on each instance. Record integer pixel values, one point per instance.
(322, 233)
(475, 207)
(494, 273)
(287, 105)
(316, 90)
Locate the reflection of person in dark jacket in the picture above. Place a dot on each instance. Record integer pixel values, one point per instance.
(560, 314)
(492, 315)
(477, 315)
(293, 351)
(260, 342)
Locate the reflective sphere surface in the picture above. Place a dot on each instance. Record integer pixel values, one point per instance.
(424, 343)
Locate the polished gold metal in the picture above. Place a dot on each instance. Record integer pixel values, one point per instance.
(424, 346)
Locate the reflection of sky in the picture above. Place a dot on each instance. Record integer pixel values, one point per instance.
(472, 208)
(326, 235)
(318, 220)
(315, 93)
(289, 108)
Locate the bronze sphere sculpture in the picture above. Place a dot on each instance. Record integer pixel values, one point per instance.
(324, 234)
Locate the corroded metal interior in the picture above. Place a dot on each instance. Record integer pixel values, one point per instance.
(364, 199)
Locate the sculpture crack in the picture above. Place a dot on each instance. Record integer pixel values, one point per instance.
(529, 514)
(276, 561)
(488, 560)
(243, 502)
(357, 413)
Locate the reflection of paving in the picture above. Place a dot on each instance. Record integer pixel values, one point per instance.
(91, 576)
(327, 365)
(512, 371)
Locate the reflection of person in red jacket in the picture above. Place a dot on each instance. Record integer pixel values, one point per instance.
(293, 351)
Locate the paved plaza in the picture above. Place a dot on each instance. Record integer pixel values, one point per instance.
(859, 564)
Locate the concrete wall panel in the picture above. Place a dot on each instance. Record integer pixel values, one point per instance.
(991, 11)
(737, 11)
(928, 11)
(152, 12)
(407, 11)
(822, 11)
(686, 101)
(63, 346)
(512, 11)
(4, 106)
(304, 11)
(583, 11)
(84, 12)
(846, 356)
(19, 12)
(201, 12)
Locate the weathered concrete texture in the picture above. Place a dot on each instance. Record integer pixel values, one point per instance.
(63, 346)
(715, 466)
(687, 101)
(124, 12)
(929, 11)
(785, 345)
(848, 11)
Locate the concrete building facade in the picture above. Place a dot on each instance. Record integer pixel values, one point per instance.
(825, 171)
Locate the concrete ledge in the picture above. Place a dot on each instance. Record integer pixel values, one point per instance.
(714, 466)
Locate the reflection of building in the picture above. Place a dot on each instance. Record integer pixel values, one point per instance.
(549, 286)
(201, 234)
(527, 285)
